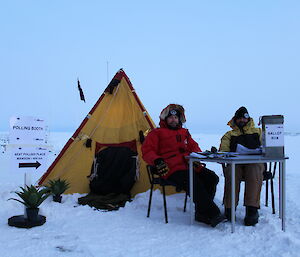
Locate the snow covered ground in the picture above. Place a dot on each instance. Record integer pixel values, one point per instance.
(73, 230)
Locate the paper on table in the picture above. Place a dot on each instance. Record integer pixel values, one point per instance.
(214, 155)
(244, 150)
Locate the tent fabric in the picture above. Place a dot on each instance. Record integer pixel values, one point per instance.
(131, 145)
(117, 117)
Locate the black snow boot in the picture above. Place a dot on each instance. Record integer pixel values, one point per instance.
(214, 221)
(200, 217)
(251, 217)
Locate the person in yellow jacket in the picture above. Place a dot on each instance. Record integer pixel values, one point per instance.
(246, 134)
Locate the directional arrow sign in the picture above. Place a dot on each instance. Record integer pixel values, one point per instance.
(29, 165)
(29, 159)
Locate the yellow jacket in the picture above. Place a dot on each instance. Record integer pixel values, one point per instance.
(249, 136)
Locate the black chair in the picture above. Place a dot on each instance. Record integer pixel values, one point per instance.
(157, 180)
(268, 174)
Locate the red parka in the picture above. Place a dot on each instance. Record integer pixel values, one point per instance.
(169, 144)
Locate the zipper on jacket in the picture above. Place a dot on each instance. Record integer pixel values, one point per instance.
(178, 138)
(173, 155)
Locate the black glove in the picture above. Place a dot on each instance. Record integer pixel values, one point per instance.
(214, 149)
(161, 167)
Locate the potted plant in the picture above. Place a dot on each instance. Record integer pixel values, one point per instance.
(57, 187)
(32, 198)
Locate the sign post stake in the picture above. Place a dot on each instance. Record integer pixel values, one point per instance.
(27, 182)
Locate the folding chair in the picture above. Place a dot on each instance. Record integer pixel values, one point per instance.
(268, 174)
(157, 180)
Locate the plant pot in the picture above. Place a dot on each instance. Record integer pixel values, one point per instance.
(57, 198)
(32, 214)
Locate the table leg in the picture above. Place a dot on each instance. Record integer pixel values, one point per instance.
(280, 190)
(283, 188)
(232, 197)
(191, 178)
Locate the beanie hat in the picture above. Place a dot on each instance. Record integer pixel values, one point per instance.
(242, 112)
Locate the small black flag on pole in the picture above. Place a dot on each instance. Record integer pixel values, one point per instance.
(80, 91)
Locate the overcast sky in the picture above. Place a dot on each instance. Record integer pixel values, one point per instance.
(210, 56)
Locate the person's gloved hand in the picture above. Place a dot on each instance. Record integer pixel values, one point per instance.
(161, 167)
(198, 166)
(214, 149)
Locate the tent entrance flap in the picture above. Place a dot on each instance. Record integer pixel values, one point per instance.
(113, 171)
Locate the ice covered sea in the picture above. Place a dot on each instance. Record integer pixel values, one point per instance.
(73, 230)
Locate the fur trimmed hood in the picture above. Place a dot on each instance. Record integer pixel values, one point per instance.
(164, 113)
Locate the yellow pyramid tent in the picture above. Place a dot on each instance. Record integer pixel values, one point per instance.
(118, 118)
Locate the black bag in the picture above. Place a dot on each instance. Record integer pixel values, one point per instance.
(113, 171)
(109, 202)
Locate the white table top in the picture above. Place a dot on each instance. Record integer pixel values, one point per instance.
(235, 158)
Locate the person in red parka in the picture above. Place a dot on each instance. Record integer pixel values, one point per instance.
(166, 148)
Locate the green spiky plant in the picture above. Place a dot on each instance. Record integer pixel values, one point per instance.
(31, 196)
(57, 187)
